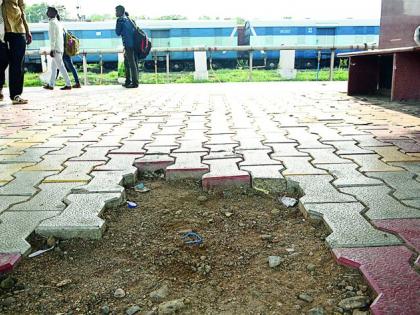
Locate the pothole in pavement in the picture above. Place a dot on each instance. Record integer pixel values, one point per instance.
(143, 254)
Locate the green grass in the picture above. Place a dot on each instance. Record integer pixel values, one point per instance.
(225, 75)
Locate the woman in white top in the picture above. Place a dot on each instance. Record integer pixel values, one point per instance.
(56, 34)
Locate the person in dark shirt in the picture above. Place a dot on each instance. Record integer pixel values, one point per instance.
(126, 29)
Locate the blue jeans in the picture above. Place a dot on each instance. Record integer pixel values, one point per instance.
(70, 67)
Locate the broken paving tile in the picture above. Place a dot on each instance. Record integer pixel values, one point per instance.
(8, 262)
(381, 205)
(349, 228)
(389, 273)
(81, 217)
(153, 163)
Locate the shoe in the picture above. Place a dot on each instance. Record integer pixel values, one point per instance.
(126, 84)
(48, 87)
(1, 96)
(132, 86)
(19, 101)
(65, 88)
(77, 86)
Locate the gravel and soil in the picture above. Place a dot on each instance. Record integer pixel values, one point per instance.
(143, 266)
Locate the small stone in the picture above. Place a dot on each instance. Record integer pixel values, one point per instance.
(105, 310)
(266, 237)
(274, 261)
(160, 294)
(228, 214)
(171, 307)
(7, 302)
(119, 293)
(275, 211)
(349, 288)
(178, 212)
(51, 241)
(354, 303)
(7, 283)
(133, 310)
(363, 288)
(311, 267)
(202, 198)
(306, 297)
(242, 224)
(63, 283)
(316, 311)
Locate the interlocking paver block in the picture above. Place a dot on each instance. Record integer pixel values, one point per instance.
(24, 183)
(94, 154)
(276, 137)
(348, 148)
(305, 139)
(349, 228)
(381, 205)
(8, 262)
(49, 198)
(106, 182)
(130, 147)
(411, 167)
(286, 149)
(81, 218)
(369, 141)
(407, 146)
(318, 189)
(15, 227)
(391, 154)
(119, 162)
(225, 172)
(153, 162)
(256, 157)
(7, 201)
(299, 166)
(403, 182)
(31, 155)
(325, 156)
(371, 163)
(187, 165)
(7, 171)
(221, 139)
(388, 271)
(408, 230)
(74, 172)
(191, 146)
(347, 175)
(221, 151)
(326, 133)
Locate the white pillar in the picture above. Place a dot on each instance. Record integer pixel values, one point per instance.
(200, 59)
(287, 64)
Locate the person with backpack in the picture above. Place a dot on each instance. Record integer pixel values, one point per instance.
(56, 34)
(126, 28)
(68, 63)
(16, 34)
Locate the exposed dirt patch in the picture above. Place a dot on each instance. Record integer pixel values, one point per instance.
(142, 251)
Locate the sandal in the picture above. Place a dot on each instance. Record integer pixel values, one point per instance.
(19, 100)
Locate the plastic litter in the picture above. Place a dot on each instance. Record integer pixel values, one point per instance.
(192, 238)
(131, 205)
(288, 202)
(40, 252)
(141, 188)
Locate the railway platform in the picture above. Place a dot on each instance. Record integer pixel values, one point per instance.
(68, 155)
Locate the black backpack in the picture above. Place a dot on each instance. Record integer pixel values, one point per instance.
(142, 43)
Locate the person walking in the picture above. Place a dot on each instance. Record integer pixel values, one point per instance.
(56, 34)
(126, 29)
(13, 47)
(68, 62)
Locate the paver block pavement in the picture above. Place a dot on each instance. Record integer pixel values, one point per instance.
(347, 175)
(16, 226)
(130, 147)
(94, 154)
(7, 201)
(299, 166)
(74, 172)
(305, 139)
(221, 151)
(403, 182)
(408, 230)
(49, 198)
(391, 154)
(31, 155)
(349, 228)
(381, 205)
(81, 217)
(24, 183)
(7, 171)
(371, 163)
(318, 189)
(411, 167)
(153, 163)
(106, 182)
(286, 149)
(224, 173)
(187, 165)
(407, 146)
(348, 148)
(388, 271)
(8, 262)
(256, 157)
(325, 156)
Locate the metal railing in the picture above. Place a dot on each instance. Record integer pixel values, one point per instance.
(250, 49)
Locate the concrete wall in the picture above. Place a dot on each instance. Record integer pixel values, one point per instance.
(400, 18)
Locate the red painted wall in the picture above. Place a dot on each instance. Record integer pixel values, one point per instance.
(400, 18)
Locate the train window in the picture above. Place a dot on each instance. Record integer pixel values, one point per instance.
(310, 30)
(98, 33)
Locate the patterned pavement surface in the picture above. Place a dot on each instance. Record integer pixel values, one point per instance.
(65, 157)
